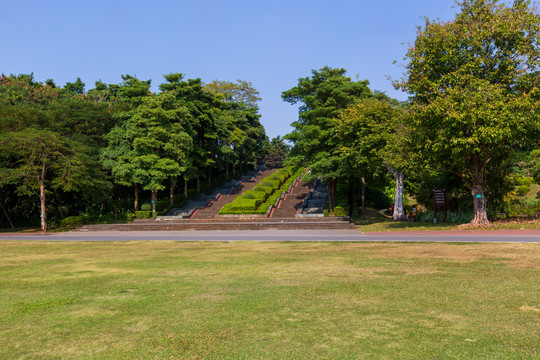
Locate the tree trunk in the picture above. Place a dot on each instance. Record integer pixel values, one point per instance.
(363, 195)
(477, 189)
(480, 207)
(209, 181)
(136, 204)
(234, 169)
(399, 213)
(171, 192)
(5, 213)
(332, 185)
(42, 193)
(185, 188)
(198, 183)
(227, 171)
(154, 199)
(350, 197)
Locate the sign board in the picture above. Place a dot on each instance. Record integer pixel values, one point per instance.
(439, 196)
(439, 200)
(478, 196)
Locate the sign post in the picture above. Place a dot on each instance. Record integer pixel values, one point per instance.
(413, 211)
(439, 199)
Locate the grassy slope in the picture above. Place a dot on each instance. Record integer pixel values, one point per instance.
(160, 300)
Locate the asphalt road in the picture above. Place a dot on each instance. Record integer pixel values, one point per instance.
(274, 235)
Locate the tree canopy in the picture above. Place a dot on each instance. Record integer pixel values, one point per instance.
(464, 75)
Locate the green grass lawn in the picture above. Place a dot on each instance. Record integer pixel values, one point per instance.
(171, 300)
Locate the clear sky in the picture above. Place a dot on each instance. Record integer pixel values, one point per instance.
(270, 43)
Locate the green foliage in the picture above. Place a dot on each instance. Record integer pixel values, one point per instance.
(527, 181)
(161, 205)
(240, 204)
(122, 135)
(241, 91)
(265, 189)
(324, 95)
(276, 153)
(253, 194)
(341, 211)
(467, 114)
(146, 207)
(72, 221)
(522, 190)
(143, 214)
(461, 217)
(523, 209)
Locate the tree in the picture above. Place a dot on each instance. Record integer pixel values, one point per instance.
(463, 76)
(277, 152)
(150, 146)
(324, 95)
(33, 158)
(372, 136)
(241, 91)
(76, 87)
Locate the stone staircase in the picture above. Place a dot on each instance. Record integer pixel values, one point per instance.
(282, 218)
(288, 208)
(212, 210)
(227, 224)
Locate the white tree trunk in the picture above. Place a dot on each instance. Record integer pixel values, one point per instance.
(42, 204)
(399, 212)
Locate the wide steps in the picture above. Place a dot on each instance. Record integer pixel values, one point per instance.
(226, 224)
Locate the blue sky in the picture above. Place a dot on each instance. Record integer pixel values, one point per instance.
(269, 43)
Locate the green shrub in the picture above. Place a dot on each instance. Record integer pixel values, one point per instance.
(522, 190)
(72, 221)
(244, 204)
(143, 214)
(253, 194)
(161, 205)
(271, 183)
(523, 180)
(146, 207)
(264, 189)
(341, 211)
(525, 209)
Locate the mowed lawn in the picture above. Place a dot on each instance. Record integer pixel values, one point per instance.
(172, 300)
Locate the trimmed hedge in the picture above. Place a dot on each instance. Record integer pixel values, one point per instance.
(272, 183)
(243, 204)
(265, 189)
(253, 194)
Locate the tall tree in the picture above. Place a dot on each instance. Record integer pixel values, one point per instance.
(463, 75)
(33, 158)
(151, 146)
(324, 95)
(372, 136)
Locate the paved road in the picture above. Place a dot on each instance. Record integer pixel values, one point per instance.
(277, 235)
